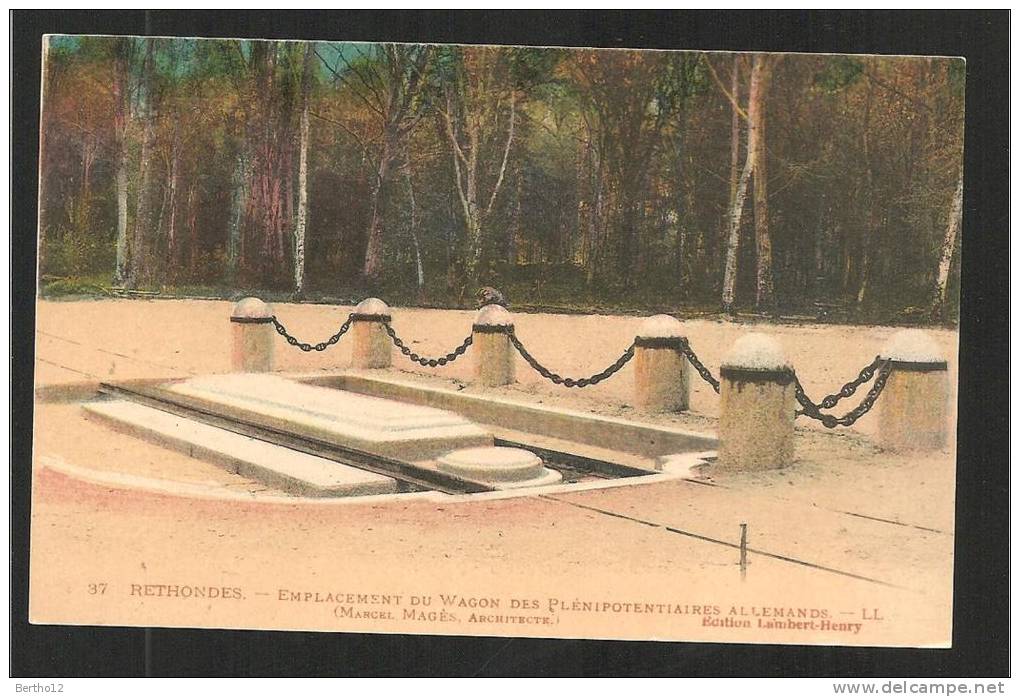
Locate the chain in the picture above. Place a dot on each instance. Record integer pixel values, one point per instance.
(812, 410)
(571, 382)
(322, 345)
(421, 360)
(847, 390)
(705, 373)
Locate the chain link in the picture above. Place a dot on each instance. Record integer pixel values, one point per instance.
(322, 345)
(813, 411)
(705, 373)
(847, 390)
(423, 361)
(571, 382)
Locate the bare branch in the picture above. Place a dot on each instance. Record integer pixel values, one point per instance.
(458, 153)
(365, 145)
(506, 155)
(344, 81)
(367, 83)
(732, 100)
(457, 157)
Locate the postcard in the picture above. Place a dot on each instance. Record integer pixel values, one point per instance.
(497, 341)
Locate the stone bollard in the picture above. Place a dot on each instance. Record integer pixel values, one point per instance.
(757, 406)
(372, 345)
(252, 335)
(913, 408)
(495, 356)
(662, 379)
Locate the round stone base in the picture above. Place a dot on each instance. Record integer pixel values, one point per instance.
(500, 467)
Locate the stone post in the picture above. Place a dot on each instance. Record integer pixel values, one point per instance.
(662, 375)
(371, 344)
(757, 406)
(913, 409)
(252, 336)
(495, 356)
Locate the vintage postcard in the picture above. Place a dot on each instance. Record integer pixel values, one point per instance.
(497, 340)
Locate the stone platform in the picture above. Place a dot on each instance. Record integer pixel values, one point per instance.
(287, 470)
(372, 424)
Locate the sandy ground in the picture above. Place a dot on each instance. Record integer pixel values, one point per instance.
(843, 511)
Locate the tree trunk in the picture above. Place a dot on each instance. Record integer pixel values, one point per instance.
(735, 129)
(869, 202)
(754, 98)
(594, 223)
(753, 164)
(171, 234)
(160, 243)
(120, 117)
(302, 211)
(192, 233)
(764, 299)
(413, 229)
(373, 248)
(733, 236)
(514, 229)
(465, 163)
(141, 248)
(238, 205)
(948, 248)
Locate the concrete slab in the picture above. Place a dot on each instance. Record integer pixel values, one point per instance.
(373, 424)
(284, 469)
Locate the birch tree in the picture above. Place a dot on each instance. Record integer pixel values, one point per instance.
(479, 117)
(122, 51)
(754, 164)
(301, 225)
(140, 270)
(761, 73)
(948, 248)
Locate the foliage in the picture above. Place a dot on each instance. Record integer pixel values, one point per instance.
(567, 177)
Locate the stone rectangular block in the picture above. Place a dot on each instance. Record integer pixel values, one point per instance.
(288, 470)
(376, 425)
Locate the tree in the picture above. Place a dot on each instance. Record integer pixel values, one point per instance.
(627, 100)
(953, 224)
(479, 114)
(389, 80)
(754, 165)
(580, 176)
(140, 271)
(302, 213)
(122, 50)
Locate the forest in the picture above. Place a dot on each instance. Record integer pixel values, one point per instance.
(823, 186)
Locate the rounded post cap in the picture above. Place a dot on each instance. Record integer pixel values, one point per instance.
(372, 306)
(912, 346)
(660, 327)
(756, 351)
(251, 308)
(494, 316)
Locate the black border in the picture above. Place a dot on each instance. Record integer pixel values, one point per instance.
(981, 613)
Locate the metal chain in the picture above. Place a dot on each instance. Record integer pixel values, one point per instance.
(430, 362)
(847, 390)
(571, 382)
(322, 345)
(812, 410)
(705, 373)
